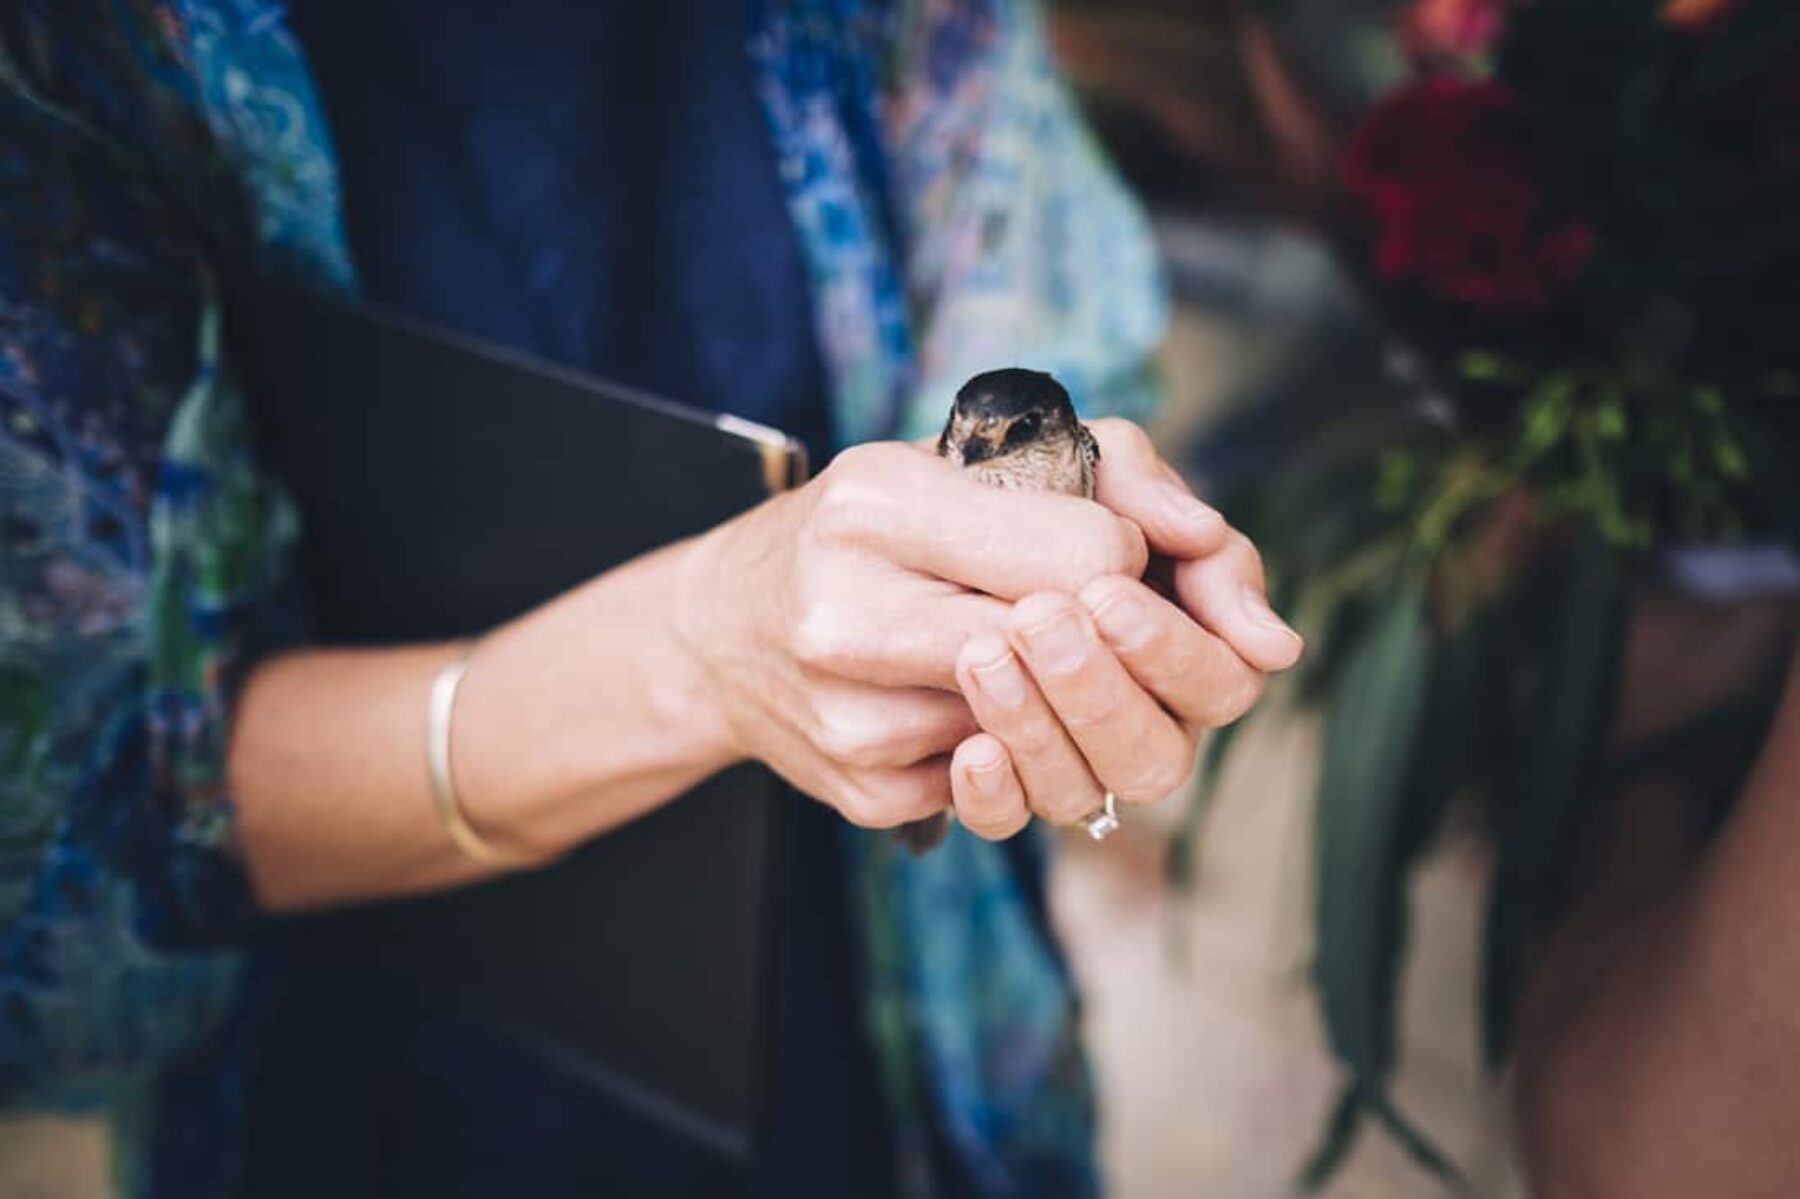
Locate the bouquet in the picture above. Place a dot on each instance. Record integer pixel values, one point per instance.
(1578, 222)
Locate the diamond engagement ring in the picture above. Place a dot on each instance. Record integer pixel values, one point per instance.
(1104, 823)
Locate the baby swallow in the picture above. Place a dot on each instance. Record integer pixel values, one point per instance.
(1012, 428)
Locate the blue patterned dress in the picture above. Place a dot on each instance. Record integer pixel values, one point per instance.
(952, 213)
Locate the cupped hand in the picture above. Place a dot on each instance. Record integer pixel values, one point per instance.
(828, 621)
(1108, 686)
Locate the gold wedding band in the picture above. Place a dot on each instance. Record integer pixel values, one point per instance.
(1103, 823)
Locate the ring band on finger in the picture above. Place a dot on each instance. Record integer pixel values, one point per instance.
(1104, 821)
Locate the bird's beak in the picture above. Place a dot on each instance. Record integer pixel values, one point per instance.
(977, 448)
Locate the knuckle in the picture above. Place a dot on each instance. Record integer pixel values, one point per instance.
(1124, 437)
(850, 739)
(1104, 590)
(1065, 808)
(1130, 551)
(1249, 558)
(854, 461)
(1135, 440)
(1031, 738)
(820, 638)
(848, 505)
(1148, 640)
(1094, 711)
(857, 804)
(1110, 545)
(1230, 701)
(1157, 780)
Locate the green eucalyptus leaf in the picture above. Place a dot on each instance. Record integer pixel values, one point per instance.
(1456, 730)
(1484, 366)
(1728, 457)
(1609, 417)
(1545, 417)
(1335, 1145)
(1328, 645)
(1417, 1143)
(1556, 745)
(1371, 734)
(1396, 479)
(1346, 1121)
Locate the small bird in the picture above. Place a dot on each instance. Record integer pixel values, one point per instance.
(1012, 428)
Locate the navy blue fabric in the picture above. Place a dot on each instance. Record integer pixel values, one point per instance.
(592, 184)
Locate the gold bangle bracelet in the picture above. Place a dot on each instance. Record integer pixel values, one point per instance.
(441, 708)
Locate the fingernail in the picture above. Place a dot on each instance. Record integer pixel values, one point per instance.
(1059, 645)
(1001, 680)
(986, 776)
(1258, 610)
(1124, 622)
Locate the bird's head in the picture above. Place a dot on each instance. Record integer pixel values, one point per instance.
(1007, 412)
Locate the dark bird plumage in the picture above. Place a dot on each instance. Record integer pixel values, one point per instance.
(1018, 428)
(1012, 428)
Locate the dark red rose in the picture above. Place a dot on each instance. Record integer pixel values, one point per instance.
(1452, 29)
(1451, 175)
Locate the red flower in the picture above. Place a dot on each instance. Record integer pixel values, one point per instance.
(1451, 29)
(1451, 177)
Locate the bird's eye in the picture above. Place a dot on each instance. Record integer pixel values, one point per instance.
(1024, 429)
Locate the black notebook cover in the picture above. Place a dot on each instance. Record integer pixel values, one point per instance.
(446, 487)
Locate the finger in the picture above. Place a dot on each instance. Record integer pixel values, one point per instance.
(1191, 672)
(889, 798)
(1009, 544)
(927, 516)
(989, 799)
(1224, 592)
(1134, 481)
(903, 635)
(1057, 782)
(877, 728)
(1131, 744)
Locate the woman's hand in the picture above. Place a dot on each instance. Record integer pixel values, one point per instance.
(820, 633)
(1107, 687)
(828, 621)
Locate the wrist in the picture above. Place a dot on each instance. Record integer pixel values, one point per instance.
(689, 696)
(585, 714)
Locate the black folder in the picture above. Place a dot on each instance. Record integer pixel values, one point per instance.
(446, 486)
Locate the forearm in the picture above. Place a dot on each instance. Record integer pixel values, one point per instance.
(1669, 1062)
(549, 746)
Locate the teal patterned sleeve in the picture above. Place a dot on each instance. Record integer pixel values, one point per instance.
(956, 210)
(1023, 245)
(142, 566)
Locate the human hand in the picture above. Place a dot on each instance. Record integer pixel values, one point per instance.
(828, 621)
(1107, 687)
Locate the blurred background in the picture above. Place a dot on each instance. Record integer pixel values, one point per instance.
(1214, 1073)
